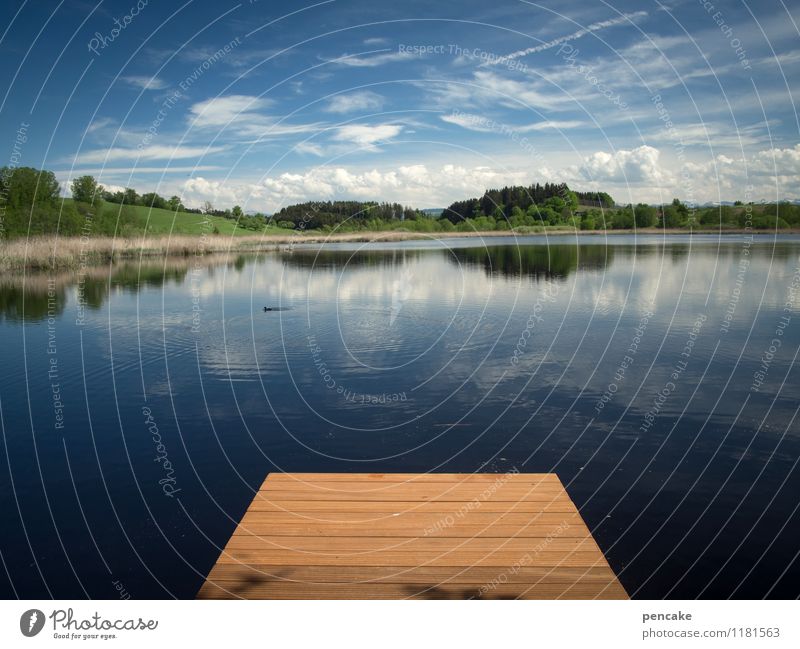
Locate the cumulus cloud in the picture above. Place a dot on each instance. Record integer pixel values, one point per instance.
(773, 174)
(355, 101)
(640, 165)
(418, 184)
(198, 190)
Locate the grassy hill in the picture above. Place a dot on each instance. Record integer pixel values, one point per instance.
(162, 222)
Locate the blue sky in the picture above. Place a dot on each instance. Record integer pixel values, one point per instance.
(270, 103)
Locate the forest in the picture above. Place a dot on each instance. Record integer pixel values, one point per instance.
(31, 204)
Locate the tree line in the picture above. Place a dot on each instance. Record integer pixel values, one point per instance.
(314, 215)
(31, 204)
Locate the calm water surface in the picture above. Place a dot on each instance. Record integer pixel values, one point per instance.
(655, 375)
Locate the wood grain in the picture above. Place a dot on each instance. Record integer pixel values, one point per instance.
(411, 536)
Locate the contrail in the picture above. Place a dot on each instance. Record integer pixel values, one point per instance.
(612, 22)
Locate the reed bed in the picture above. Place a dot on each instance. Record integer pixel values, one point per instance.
(64, 253)
(55, 253)
(61, 253)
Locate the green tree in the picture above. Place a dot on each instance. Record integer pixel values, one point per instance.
(24, 187)
(236, 212)
(86, 190)
(645, 216)
(151, 199)
(131, 197)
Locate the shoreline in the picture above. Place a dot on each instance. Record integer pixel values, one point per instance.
(66, 253)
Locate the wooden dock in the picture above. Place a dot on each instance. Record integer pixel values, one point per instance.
(428, 536)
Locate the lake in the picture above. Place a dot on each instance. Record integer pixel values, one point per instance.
(142, 403)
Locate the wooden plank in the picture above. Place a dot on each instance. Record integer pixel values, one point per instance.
(499, 558)
(415, 478)
(567, 525)
(367, 544)
(262, 504)
(415, 520)
(229, 572)
(469, 490)
(278, 590)
(429, 536)
(412, 494)
(454, 532)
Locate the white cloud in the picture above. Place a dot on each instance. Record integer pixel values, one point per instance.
(371, 61)
(483, 124)
(416, 184)
(517, 94)
(555, 124)
(772, 173)
(198, 190)
(355, 101)
(241, 114)
(220, 111)
(640, 165)
(783, 162)
(153, 152)
(624, 19)
(309, 147)
(99, 124)
(365, 135)
(145, 83)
